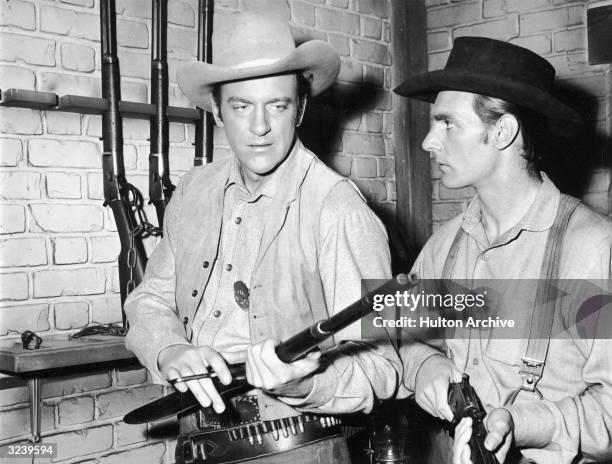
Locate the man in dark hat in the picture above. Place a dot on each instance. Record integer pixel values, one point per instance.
(491, 105)
(258, 246)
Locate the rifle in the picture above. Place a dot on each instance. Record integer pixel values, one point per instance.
(160, 185)
(288, 351)
(464, 402)
(204, 126)
(121, 196)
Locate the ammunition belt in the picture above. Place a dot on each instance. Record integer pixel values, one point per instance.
(254, 440)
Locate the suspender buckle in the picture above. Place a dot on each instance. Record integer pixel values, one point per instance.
(531, 373)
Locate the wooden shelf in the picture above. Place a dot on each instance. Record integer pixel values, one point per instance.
(49, 101)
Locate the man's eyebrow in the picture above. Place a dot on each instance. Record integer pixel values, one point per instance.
(443, 116)
(237, 100)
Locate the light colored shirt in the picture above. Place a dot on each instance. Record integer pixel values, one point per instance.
(574, 419)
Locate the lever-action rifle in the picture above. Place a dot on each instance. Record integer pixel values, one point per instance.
(160, 185)
(204, 125)
(288, 351)
(118, 193)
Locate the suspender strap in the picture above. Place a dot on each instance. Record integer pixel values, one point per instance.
(452, 255)
(542, 316)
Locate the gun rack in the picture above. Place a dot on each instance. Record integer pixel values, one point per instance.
(49, 101)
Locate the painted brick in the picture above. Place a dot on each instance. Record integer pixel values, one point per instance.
(181, 13)
(10, 152)
(453, 15)
(14, 287)
(437, 41)
(131, 376)
(64, 21)
(341, 164)
(12, 396)
(64, 84)
(374, 52)
(76, 57)
(128, 434)
(94, 186)
(17, 13)
(371, 28)
(592, 85)
(76, 411)
(436, 61)
(340, 44)
(135, 63)
(337, 21)
(19, 185)
(106, 310)
(58, 386)
(552, 19)
(568, 64)
(386, 168)
(17, 319)
(361, 144)
(149, 454)
(13, 219)
(105, 249)
(84, 442)
(536, 43)
(138, 8)
(23, 252)
(67, 217)
(364, 167)
(15, 423)
(69, 250)
(387, 123)
(429, 3)
(351, 72)
(503, 7)
(502, 29)
(371, 122)
(339, 3)
(16, 77)
(134, 91)
(64, 153)
(71, 315)
(84, 3)
(303, 13)
(132, 34)
(181, 158)
(20, 120)
(456, 194)
(373, 190)
(63, 123)
(82, 281)
(447, 210)
(391, 191)
(182, 42)
(31, 50)
(117, 403)
(572, 40)
(378, 8)
(63, 185)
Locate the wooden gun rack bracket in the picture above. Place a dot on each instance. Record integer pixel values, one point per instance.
(57, 354)
(49, 101)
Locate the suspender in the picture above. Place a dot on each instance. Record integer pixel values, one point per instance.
(542, 316)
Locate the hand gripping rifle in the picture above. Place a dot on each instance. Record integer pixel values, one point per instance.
(160, 185)
(288, 351)
(464, 402)
(121, 196)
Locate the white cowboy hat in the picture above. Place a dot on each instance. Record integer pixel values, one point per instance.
(253, 45)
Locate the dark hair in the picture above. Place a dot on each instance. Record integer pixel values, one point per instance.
(531, 124)
(303, 91)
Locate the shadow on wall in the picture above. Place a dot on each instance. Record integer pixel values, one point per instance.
(570, 162)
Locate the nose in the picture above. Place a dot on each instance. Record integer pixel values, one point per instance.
(259, 122)
(431, 143)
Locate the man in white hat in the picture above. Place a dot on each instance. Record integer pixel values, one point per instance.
(258, 247)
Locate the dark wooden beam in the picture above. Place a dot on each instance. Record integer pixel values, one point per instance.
(411, 122)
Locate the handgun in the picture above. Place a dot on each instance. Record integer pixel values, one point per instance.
(464, 402)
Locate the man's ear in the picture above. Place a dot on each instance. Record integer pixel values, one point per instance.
(301, 110)
(216, 111)
(506, 130)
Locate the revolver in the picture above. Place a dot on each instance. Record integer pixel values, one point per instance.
(464, 402)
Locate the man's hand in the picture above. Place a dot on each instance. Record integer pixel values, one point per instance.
(431, 389)
(500, 427)
(183, 360)
(264, 370)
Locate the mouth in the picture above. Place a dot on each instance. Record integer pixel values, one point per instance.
(259, 146)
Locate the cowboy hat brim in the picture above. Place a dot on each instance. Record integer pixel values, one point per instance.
(563, 120)
(317, 60)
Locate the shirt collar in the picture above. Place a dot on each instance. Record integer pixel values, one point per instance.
(539, 217)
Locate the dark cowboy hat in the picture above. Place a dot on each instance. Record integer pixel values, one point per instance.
(252, 45)
(497, 69)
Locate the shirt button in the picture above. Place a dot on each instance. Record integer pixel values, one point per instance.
(217, 313)
(185, 320)
(205, 264)
(238, 220)
(475, 361)
(485, 257)
(194, 293)
(228, 267)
